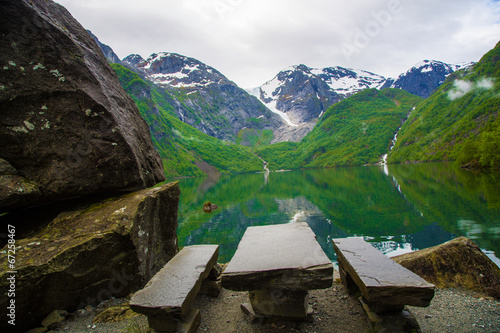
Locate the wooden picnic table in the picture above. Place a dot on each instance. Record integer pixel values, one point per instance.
(278, 264)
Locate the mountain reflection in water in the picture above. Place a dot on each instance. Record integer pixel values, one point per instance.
(397, 208)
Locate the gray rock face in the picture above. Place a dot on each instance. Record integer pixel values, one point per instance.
(304, 96)
(133, 60)
(66, 124)
(283, 256)
(15, 190)
(90, 252)
(384, 284)
(470, 268)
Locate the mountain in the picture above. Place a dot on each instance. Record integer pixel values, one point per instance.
(459, 121)
(206, 99)
(106, 50)
(300, 94)
(185, 151)
(355, 131)
(425, 77)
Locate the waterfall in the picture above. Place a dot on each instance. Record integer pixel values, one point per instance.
(383, 160)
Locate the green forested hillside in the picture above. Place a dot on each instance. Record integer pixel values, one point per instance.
(459, 121)
(356, 131)
(185, 151)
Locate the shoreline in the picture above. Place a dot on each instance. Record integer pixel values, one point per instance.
(451, 310)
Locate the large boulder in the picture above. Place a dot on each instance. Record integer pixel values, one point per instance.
(88, 253)
(457, 263)
(67, 127)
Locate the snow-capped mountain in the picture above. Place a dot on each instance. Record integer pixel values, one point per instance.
(204, 98)
(174, 70)
(299, 94)
(290, 103)
(296, 94)
(347, 81)
(425, 77)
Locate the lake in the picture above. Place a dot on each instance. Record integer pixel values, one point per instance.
(397, 208)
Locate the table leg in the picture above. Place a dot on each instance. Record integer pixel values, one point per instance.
(279, 302)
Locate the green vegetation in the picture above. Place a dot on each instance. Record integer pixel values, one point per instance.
(427, 202)
(254, 137)
(459, 121)
(356, 131)
(185, 151)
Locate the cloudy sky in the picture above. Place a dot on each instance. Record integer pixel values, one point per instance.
(250, 41)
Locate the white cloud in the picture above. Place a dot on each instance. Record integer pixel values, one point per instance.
(251, 40)
(462, 87)
(485, 83)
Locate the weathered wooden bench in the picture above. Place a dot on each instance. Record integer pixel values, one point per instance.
(384, 285)
(167, 298)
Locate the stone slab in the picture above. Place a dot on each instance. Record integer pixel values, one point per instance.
(283, 303)
(285, 256)
(384, 284)
(257, 318)
(210, 288)
(173, 289)
(253, 316)
(191, 322)
(401, 321)
(187, 324)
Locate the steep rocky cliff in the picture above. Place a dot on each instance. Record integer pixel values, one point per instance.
(67, 127)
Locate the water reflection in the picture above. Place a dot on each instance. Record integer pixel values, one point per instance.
(396, 208)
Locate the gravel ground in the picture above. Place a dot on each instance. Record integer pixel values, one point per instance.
(451, 310)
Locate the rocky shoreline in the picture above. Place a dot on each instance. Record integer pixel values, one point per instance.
(451, 310)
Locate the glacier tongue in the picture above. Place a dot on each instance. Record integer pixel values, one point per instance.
(272, 104)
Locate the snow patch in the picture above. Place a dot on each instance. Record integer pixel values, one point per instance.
(270, 87)
(426, 69)
(272, 106)
(317, 71)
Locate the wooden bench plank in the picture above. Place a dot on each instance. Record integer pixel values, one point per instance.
(173, 289)
(384, 284)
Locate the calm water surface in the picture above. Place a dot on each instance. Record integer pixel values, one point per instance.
(398, 208)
